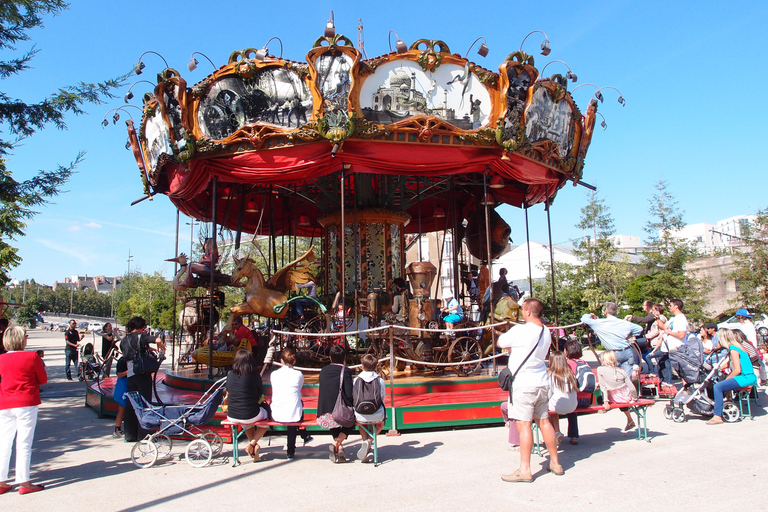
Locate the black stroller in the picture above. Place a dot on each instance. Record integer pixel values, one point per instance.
(90, 365)
(175, 420)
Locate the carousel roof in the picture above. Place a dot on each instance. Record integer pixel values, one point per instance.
(422, 130)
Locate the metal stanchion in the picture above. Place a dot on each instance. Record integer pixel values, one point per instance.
(393, 431)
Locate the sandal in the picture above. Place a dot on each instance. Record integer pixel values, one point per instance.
(574, 440)
(517, 476)
(253, 451)
(630, 426)
(334, 455)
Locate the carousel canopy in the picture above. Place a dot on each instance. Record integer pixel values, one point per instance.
(422, 130)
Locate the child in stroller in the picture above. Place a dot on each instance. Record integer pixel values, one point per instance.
(90, 363)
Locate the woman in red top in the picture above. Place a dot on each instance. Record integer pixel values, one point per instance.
(21, 374)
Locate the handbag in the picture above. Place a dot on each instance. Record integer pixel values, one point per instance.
(145, 361)
(507, 378)
(343, 414)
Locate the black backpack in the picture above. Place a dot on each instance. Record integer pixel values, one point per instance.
(367, 397)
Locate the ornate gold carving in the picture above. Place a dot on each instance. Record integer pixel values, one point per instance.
(208, 147)
(486, 77)
(199, 89)
(365, 129)
(300, 69)
(482, 137)
(306, 133)
(430, 57)
(333, 41)
(368, 67)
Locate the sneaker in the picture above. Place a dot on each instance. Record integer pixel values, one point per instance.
(117, 434)
(363, 452)
(69, 377)
(307, 440)
(290, 456)
(559, 438)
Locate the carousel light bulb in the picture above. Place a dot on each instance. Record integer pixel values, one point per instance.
(401, 46)
(604, 125)
(496, 182)
(303, 220)
(115, 118)
(545, 49)
(439, 213)
(192, 65)
(128, 96)
(251, 206)
(599, 96)
(104, 122)
(139, 68)
(262, 54)
(621, 100)
(488, 200)
(483, 50)
(571, 76)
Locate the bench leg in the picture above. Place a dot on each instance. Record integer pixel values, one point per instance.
(235, 445)
(744, 404)
(536, 448)
(642, 422)
(375, 438)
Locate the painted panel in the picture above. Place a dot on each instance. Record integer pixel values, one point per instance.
(401, 89)
(547, 120)
(158, 138)
(334, 81)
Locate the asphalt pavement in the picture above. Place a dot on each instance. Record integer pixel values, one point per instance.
(686, 466)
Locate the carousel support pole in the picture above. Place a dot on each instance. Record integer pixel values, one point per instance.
(491, 314)
(210, 291)
(240, 218)
(418, 201)
(343, 237)
(528, 245)
(551, 256)
(393, 431)
(175, 298)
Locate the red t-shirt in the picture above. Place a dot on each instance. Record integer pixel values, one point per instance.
(244, 332)
(21, 374)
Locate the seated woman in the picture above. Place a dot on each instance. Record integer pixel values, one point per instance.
(330, 380)
(562, 391)
(616, 385)
(585, 380)
(401, 295)
(246, 399)
(742, 373)
(368, 375)
(206, 265)
(286, 405)
(453, 311)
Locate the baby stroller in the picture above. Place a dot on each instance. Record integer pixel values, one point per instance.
(696, 396)
(90, 364)
(175, 420)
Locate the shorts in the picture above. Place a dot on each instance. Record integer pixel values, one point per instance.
(121, 387)
(529, 404)
(263, 415)
(452, 319)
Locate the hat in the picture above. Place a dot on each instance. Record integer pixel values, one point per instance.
(447, 292)
(743, 312)
(710, 325)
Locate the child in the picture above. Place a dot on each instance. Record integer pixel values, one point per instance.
(368, 376)
(586, 382)
(121, 387)
(562, 391)
(616, 385)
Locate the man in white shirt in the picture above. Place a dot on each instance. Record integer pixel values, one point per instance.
(528, 346)
(746, 326)
(674, 332)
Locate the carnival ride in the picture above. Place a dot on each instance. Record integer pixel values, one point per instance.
(361, 157)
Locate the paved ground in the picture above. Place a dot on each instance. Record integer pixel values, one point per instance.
(687, 466)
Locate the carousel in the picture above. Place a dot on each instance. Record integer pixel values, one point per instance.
(357, 161)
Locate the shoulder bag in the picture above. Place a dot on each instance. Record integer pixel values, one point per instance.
(145, 361)
(507, 378)
(343, 414)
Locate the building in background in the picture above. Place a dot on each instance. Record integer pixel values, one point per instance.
(101, 284)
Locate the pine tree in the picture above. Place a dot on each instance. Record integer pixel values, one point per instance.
(751, 263)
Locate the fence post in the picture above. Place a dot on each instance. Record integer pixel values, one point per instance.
(393, 431)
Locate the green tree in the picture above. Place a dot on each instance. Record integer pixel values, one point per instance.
(20, 119)
(751, 261)
(568, 291)
(665, 257)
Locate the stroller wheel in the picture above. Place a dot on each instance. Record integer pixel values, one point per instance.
(164, 445)
(731, 413)
(199, 453)
(678, 415)
(668, 412)
(214, 440)
(144, 453)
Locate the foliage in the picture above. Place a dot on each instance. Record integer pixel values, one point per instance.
(665, 257)
(19, 119)
(568, 290)
(604, 276)
(147, 295)
(751, 261)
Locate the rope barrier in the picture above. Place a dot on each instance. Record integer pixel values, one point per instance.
(330, 334)
(303, 369)
(463, 329)
(474, 361)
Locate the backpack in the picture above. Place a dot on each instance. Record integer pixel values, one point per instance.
(366, 395)
(585, 378)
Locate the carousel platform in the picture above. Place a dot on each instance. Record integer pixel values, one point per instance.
(421, 400)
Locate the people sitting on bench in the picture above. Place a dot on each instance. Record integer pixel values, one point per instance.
(286, 405)
(245, 402)
(742, 373)
(334, 379)
(585, 380)
(616, 385)
(368, 392)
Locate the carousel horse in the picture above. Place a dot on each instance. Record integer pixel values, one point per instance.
(201, 279)
(267, 298)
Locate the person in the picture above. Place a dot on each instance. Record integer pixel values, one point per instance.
(614, 334)
(500, 287)
(673, 332)
(206, 265)
(300, 304)
(402, 294)
(657, 355)
(586, 386)
(72, 338)
(330, 377)
(239, 333)
(369, 375)
(648, 320)
(245, 400)
(3, 327)
(562, 391)
(121, 386)
(109, 339)
(528, 345)
(133, 342)
(21, 375)
(286, 404)
(452, 308)
(616, 385)
(746, 326)
(741, 375)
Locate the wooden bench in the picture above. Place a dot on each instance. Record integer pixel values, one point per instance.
(370, 429)
(639, 407)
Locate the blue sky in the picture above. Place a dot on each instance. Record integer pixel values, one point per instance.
(691, 72)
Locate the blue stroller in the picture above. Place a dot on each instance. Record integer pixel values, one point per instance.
(175, 420)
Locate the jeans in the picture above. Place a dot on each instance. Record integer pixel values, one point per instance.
(70, 356)
(720, 389)
(626, 358)
(573, 422)
(658, 364)
(20, 423)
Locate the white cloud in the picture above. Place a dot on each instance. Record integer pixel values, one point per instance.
(92, 224)
(81, 255)
(75, 228)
